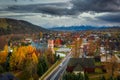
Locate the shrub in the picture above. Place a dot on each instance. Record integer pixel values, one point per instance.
(1, 69)
(98, 70)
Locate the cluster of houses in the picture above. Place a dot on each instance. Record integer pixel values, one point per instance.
(81, 65)
(86, 63)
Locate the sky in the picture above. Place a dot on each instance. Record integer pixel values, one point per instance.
(57, 13)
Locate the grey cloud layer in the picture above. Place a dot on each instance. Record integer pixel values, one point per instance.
(52, 9)
(100, 6)
(110, 17)
(77, 7)
(96, 5)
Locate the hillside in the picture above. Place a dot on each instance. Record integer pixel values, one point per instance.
(13, 26)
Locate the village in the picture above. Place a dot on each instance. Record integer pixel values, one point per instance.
(79, 55)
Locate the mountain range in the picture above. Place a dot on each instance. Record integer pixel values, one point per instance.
(13, 26)
(83, 28)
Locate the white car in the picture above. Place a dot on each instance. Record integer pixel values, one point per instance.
(60, 65)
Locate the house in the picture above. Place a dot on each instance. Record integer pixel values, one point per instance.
(80, 65)
(51, 45)
(78, 69)
(28, 40)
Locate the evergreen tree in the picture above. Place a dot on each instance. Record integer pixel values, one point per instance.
(42, 66)
(111, 78)
(40, 69)
(102, 78)
(86, 76)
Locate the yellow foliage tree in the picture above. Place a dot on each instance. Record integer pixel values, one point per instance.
(30, 49)
(50, 56)
(30, 64)
(3, 23)
(92, 48)
(76, 48)
(19, 56)
(34, 58)
(3, 55)
(41, 34)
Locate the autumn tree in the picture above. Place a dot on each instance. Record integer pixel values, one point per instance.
(41, 34)
(92, 48)
(76, 47)
(50, 56)
(58, 42)
(112, 66)
(3, 23)
(19, 56)
(30, 65)
(3, 41)
(3, 55)
(24, 58)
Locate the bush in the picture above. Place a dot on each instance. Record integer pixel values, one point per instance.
(1, 69)
(98, 70)
(102, 78)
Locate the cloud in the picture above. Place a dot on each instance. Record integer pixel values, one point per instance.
(51, 8)
(96, 5)
(74, 7)
(74, 12)
(12, 14)
(46, 20)
(110, 17)
(26, 2)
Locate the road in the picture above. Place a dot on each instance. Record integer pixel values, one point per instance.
(56, 74)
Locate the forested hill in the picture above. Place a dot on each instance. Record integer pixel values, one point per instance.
(13, 26)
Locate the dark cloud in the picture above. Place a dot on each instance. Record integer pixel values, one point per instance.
(110, 17)
(52, 9)
(19, 15)
(17, 0)
(71, 9)
(99, 6)
(79, 6)
(96, 5)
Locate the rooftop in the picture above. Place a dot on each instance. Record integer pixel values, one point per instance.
(83, 62)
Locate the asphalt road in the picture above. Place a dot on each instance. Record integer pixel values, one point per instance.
(56, 74)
